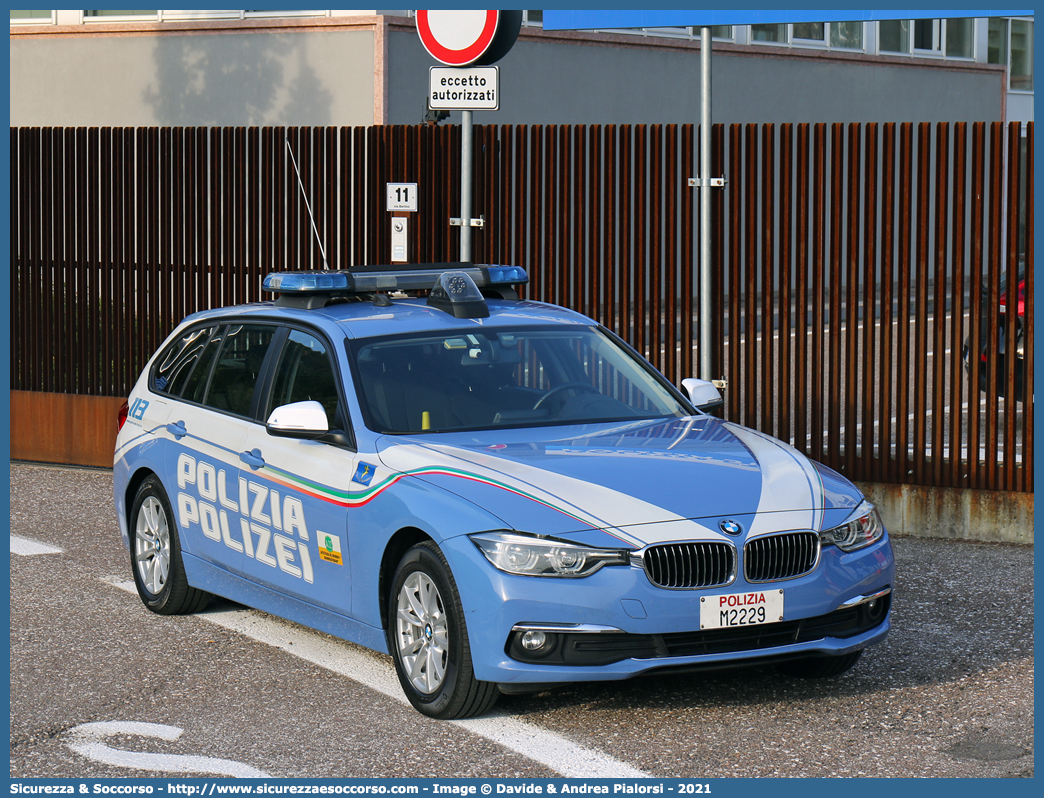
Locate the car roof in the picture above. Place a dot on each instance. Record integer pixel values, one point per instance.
(364, 319)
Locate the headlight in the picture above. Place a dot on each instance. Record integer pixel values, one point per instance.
(528, 555)
(862, 529)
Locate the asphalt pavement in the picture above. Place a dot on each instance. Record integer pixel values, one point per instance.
(949, 694)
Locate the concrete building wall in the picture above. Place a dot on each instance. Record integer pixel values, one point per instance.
(281, 77)
(557, 79)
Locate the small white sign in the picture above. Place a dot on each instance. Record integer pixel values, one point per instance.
(464, 89)
(402, 196)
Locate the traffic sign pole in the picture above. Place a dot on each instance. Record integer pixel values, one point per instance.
(705, 204)
(461, 39)
(466, 149)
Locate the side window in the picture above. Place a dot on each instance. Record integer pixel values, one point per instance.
(196, 384)
(305, 372)
(175, 365)
(238, 367)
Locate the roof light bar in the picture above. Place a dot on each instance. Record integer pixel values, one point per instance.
(371, 279)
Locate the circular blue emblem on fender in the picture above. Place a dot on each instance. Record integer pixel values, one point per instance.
(730, 527)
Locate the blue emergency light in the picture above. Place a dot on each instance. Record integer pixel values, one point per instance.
(371, 279)
(456, 288)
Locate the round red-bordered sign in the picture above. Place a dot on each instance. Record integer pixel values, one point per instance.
(457, 38)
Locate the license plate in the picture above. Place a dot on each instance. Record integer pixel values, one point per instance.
(729, 610)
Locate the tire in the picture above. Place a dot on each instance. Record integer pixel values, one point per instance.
(155, 553)
(428, 639)
(820, 666)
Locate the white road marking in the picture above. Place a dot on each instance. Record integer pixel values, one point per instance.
(29, 548)
(562, 755)
(87, 740)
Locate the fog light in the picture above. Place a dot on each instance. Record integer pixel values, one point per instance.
(876, 609)
(534, 640)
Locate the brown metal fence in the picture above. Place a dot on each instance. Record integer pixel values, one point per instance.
(851, 261)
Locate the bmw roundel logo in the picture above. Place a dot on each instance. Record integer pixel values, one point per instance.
(730, 527)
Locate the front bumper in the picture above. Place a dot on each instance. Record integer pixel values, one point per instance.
(592, 646)
(616, 624)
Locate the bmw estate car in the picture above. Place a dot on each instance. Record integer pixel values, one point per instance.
(499, 493)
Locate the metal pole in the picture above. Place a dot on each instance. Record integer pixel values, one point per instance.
(466, 147)
(304, 195)
(705, 204)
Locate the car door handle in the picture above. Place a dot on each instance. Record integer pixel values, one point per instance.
(177, 429)
(253, 459)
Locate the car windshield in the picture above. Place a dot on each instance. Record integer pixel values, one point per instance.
(491, 378)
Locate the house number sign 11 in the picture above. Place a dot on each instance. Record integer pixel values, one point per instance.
(402, 196)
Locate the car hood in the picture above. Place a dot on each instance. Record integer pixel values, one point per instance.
(640, 482)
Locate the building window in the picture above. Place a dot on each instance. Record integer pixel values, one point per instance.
(840, 35)
(846, 35)
(950, 38)
(1010, 43)
(769, 33)
(279, 13)
(810, 31)
(927, 38)
(533, 19)
(893, 36)
(118, 13)
(960, 38)
(176, 14)
(1021, 69)
(997, 41)
(719, 32)
(33, 17)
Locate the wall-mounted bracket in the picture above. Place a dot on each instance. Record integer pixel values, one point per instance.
(456, 221)
(714, 182)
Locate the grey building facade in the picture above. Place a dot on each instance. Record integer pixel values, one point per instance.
(182, 68)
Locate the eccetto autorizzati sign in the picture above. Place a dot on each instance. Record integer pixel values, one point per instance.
(467, 89)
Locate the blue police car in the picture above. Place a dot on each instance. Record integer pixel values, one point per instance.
(499, 493)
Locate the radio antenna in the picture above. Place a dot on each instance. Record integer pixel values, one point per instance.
(326, 266)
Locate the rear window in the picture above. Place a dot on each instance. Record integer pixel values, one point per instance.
(175, 365)
(216, 366)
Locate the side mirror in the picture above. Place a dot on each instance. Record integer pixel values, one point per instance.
(298, 420)
(702, 394)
